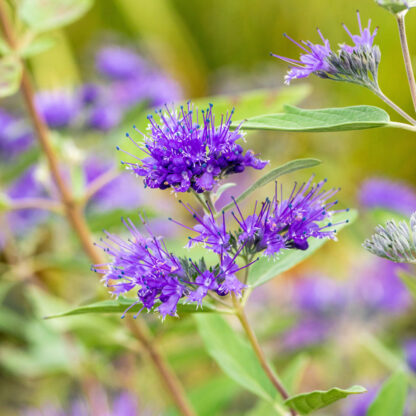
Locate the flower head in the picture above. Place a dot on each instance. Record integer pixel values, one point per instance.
(15, 136)
(119, 63)
(357, 64)
(395, 242)
(59, 108)
(385, 193)
(160, 278)
(364, 39)
(187, 151)
(312, 61)
(277, 225)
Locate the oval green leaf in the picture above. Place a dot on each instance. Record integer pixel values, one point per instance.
(43, 15)
(306, 403)
(121, 304)
(266, 269)
(288, 167)
(10, 75)
(391, 399)
(234, 355)
(321, 120)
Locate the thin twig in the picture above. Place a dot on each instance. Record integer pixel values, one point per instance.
(98, 183)
(258, 351)
(35, 203)
(406, 56)
(394, 106)
(169, 378)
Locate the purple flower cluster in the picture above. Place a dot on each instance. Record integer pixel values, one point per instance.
(129, 81)
(59, 108)
(278, 224)
(25, 186)
(357, 63)
(186, 151)
(15, 136)
(162, 279)
(124, 404)
(385, 193)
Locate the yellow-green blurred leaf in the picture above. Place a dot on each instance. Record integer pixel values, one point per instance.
(10, 75)
(43, 15)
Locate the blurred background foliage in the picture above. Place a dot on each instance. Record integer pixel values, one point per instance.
(210, 48)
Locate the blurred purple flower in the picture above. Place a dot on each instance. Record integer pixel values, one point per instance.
(119, 63)
(59, 108)
(410, 353)
(378, 288)
(121, 192)
(187, 151)
(307, 333)
(26, 186)
(104, 117)
(15, 136)
(319, 296)
(124, 404)
(89, 93)
(385, 193)
(358, 404)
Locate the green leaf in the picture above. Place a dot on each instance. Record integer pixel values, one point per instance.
(288, 167)
(293, 372)
(43, 15)
(391, 399)
(38, 45)
(306, 403)
(234, 355)
(409, 281)
(121, 304)
(322, 120)
(266, 269)
(10, 75)
(222, 189)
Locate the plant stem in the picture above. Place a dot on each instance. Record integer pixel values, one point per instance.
(394, 106)
(169, 378)
(406, 56)
(76, 218)
(239, 311)
(35, 203)
(403, 126)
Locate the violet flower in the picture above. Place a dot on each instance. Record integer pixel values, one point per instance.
(278, 224)
(186, 151)
(357, 64)
(15, 136)
(384, 193)
(383, 291)
(160, 278)
(410, 353)
(124, 404)
(119, 63)
(59, 108)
